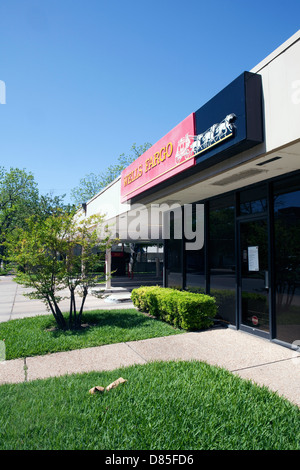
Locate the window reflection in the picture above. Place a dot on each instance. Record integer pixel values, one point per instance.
(287, 261)
(173, 246)
(253, 201)
(195, 267)
(222, 256)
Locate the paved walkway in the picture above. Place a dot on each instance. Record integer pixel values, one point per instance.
(248, 356)
(13, 303)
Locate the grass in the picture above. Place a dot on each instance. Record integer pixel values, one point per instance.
(37, 335)
(163, 406)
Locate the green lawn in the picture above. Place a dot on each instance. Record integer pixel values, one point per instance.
(38, 335)
(163, 406)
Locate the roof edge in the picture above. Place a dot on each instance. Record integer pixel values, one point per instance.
(282, 48)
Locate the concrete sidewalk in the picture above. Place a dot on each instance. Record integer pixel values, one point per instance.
(248, 356)
(13, 303)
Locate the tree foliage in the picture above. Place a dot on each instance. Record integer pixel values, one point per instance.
(20, 199)
(92, 183)
(56, 253)
(18, 196)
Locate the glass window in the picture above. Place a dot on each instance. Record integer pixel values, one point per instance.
(222, 256)
(173, 246)
(194, 258)
(253, 201)
(254, 273)
(287, 259)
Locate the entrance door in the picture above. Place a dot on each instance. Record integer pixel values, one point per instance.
(254, 275)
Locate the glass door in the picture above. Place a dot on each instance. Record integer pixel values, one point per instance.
(254, 275)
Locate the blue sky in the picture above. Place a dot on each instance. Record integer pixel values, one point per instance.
(85, 79)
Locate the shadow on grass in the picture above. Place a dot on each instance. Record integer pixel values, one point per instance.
(127, 320)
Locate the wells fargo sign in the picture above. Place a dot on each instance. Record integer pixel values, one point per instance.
(168, 157)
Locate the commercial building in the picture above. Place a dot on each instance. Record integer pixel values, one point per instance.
(227, 180)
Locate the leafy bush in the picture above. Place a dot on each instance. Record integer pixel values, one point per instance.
(182, 309)
(140, 299)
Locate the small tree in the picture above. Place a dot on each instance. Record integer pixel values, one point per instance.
(58, 252)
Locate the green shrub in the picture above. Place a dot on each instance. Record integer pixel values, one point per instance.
(182, 309)
(196, 311)
(140, 297)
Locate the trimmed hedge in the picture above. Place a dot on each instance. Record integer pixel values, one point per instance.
(182, 309)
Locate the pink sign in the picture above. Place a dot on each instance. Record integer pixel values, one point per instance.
(169, 156)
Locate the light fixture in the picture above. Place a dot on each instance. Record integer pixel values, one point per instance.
(268, 161)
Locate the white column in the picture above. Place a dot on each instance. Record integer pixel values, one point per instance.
(108, 268)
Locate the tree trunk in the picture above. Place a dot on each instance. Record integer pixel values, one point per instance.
(72, 322)
(85, 291)
(56, 312)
